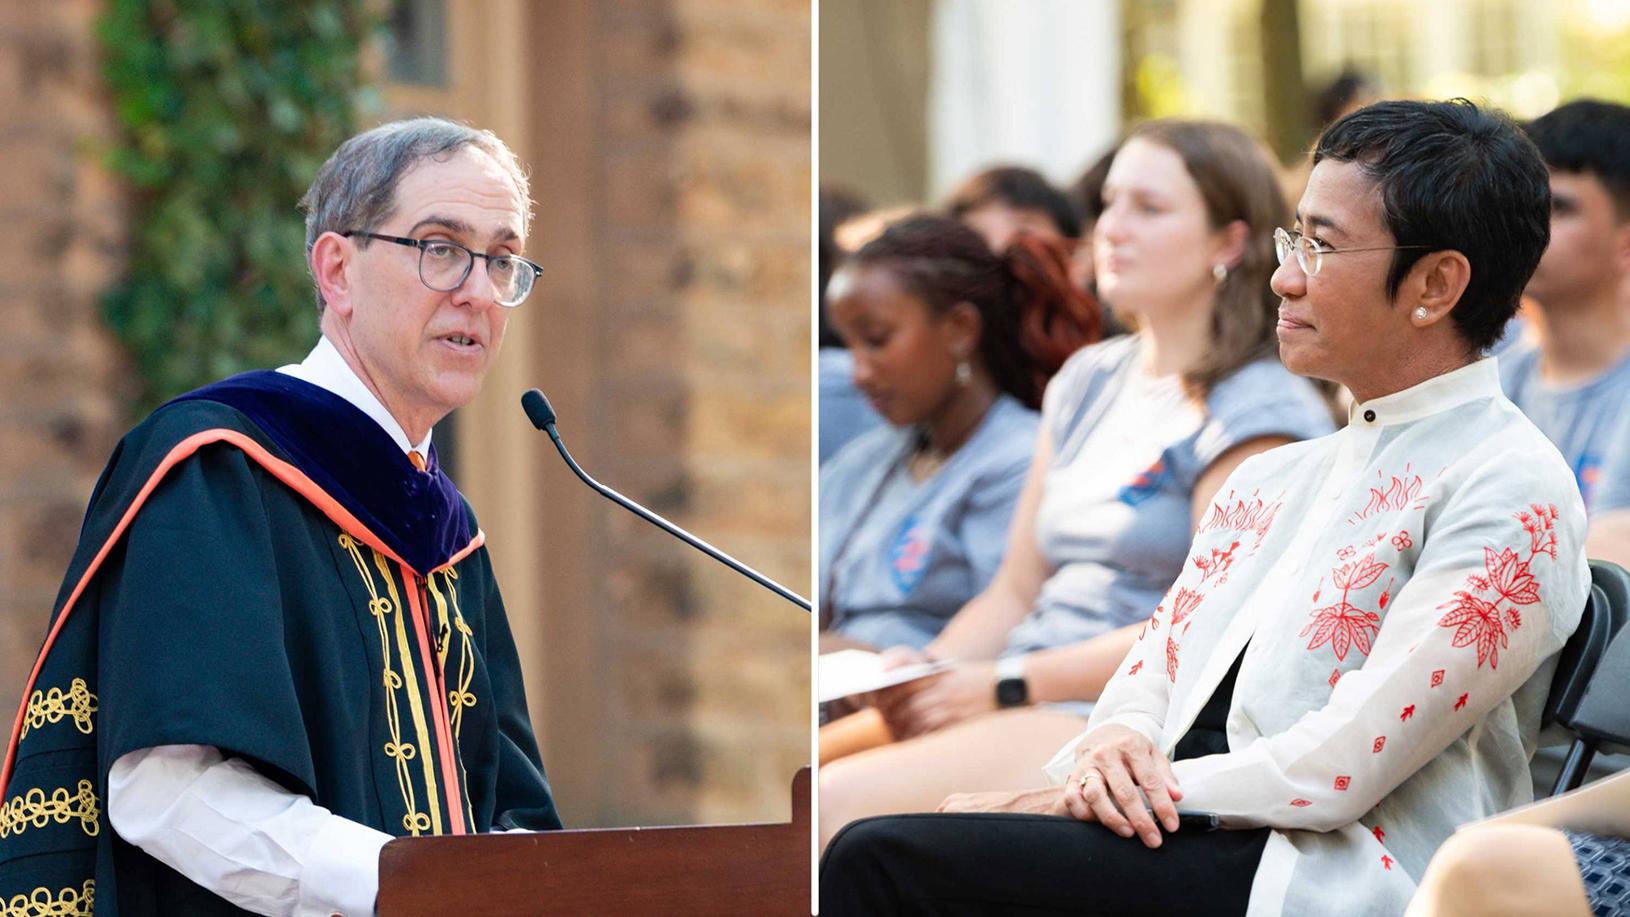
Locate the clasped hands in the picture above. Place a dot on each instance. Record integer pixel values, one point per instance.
(1116, 770)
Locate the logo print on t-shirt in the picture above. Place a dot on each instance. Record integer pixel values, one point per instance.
(1588, 472)
(1144, 484)
(908, 556)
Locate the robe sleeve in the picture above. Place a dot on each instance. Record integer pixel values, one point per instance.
(1499, 585)
(197, 651)
(523, 798)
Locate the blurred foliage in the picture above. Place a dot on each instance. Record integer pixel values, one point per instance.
(227, 108)
(1597, 63)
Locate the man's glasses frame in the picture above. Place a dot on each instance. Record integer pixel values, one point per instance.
(525, 272)
(1310, 252)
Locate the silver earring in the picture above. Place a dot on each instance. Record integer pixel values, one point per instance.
(1219, 272)
(1420, 314)
(964, 373)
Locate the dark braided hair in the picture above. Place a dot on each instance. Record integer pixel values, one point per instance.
(1032, 318)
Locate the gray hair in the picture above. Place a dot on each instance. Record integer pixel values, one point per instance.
(356, 188)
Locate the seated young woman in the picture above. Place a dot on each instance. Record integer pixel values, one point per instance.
(1137, 433)
(953, 345)
(1356, 656)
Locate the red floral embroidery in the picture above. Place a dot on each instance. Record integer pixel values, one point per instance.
(1386, 595)
(1217, 564)
(1183, 604)
(1344, 624)
(1380, 743)
(1343, 782)
(1402, 541)
(1477, 620)
(1409, 711)
(1437, 677)
(1136, 667)
(1379, 834)
(1401, 493)
(1346, 553)
(1335, 676)
(1171, 659)
(1461, 703)
(1300, 803)
(1386, 861)
(1251, 517)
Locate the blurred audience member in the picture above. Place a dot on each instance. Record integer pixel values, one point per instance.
(842, 413)
(1345, 93)
(1002, 201)
(1086, 195)
(1136, 435)
(953, 345)
(1570, 372)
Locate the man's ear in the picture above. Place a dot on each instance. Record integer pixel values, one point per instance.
(331, 259)
(1434, 286)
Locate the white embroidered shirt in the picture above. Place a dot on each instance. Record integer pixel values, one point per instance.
(1399, 590)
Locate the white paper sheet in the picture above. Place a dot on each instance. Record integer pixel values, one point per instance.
(849, 672)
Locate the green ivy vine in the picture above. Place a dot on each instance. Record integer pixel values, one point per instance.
(226, 110)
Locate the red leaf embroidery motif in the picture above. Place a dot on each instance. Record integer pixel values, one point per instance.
(1341, 625)
(1461, 703)
(1184, 604)
(1409, 711)
(1171, 659)
(1343, 782)
(1510, 577)
(1476, 623)
(1217, 564)
(1379, 834)
(1300, 803)
(1380, 743)
(1437, 677)
(1136, 666)
(1335, 676)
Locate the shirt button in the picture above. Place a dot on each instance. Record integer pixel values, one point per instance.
(1369, 416)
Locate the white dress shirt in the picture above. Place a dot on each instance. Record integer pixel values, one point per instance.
(1399, 590)
(227, 827)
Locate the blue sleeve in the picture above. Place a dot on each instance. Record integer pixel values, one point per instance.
(1262, 399)
(1082, 374)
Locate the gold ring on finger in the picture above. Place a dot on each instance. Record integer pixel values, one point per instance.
(1089, 775)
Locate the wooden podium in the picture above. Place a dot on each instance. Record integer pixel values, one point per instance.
(760, 869)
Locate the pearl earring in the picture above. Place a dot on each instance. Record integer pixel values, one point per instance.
(964, 373)
(1219, 273)
(1421, 314)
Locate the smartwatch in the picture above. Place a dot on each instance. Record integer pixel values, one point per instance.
(1011, 689)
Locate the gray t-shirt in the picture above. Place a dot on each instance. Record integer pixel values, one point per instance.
(1116, 516)
(899, 557)
(1587, 422)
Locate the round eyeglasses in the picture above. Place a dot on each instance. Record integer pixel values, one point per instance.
(1310, 252)
(444, 266)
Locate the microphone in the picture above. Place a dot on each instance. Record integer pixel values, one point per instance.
(542, 415)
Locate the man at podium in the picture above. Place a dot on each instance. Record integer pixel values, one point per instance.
(280, 643)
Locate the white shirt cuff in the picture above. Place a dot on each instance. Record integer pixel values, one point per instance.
(341, 873)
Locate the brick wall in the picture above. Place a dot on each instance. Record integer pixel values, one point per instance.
(63, 382)
(705, 119)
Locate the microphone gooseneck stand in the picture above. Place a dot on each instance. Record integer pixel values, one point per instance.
(542, 415)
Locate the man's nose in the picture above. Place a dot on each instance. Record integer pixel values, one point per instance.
(478, 290)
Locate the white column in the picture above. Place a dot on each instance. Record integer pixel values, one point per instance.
(1027, 82)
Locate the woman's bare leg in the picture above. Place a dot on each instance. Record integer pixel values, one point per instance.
(1496, 870)
(998, 751)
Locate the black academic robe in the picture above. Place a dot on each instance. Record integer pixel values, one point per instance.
(262, 569)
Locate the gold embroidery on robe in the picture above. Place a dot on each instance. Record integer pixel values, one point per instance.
(34, 809)
(53, 705)
(42, 903)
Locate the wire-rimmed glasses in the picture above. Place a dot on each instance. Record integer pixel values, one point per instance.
(1310, 252)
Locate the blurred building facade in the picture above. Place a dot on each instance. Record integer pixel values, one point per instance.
(917, 95)
(668, 142)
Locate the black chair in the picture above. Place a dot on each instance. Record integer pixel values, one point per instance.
(1588, 696)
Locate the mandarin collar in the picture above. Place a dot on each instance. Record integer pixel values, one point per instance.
(1480, 379)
